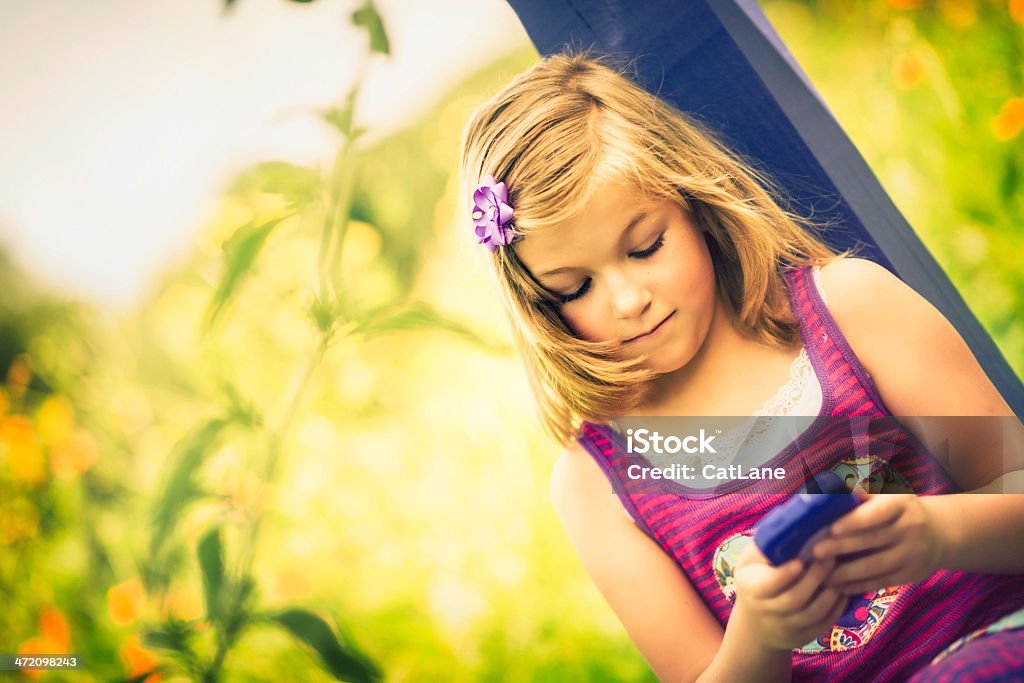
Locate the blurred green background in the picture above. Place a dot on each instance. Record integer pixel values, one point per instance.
(289, 460)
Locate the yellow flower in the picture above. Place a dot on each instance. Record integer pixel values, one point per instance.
(125, 601)
(25, 459)
(183, 604)
(74, 454)
(244, 494)
(55, 418)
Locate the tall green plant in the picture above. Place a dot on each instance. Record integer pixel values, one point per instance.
(226, 559)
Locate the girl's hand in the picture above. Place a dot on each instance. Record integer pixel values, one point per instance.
(787, 606)
(895, 539)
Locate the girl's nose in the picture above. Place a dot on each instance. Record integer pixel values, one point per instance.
(629, 298)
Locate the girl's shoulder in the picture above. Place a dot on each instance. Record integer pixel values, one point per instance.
(917, 359)
(861, 291)
(844, 273)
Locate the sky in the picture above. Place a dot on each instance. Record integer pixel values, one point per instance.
(122, 121)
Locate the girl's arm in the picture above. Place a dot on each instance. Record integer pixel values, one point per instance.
(663, 614)
(923, 368)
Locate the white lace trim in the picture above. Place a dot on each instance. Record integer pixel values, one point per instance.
(800, 396)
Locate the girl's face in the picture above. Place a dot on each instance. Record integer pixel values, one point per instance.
(630, 271)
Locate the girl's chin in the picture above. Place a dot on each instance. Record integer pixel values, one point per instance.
(673, 358)
(667, 368)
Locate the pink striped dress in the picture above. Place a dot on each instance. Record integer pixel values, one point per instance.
(888, 635)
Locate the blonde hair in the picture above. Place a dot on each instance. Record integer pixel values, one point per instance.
(572, 124)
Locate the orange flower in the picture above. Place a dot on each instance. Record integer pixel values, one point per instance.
(1010, 119)
(19, 520)
(1017, 10)
(907, 71)
(55, 629)
(291, 582)
(906, 4)
(24, 453)
(125, 601)
(138, 660)
(19, 374)
(36, 646)
(74, 454)
(959, 13)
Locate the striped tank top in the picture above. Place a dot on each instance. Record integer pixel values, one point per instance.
(886, 635)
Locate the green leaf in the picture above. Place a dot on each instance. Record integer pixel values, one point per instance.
(211, 563)
(324, 313)
(181, 487)
(344, 662)
(174, 636)
(368, 18)
(157, 638)
(142, 677)
(419, 315)
(1009, 179)
(341, 117)
(240, 616)
(239, 254)
(298, 185)
(242, 410)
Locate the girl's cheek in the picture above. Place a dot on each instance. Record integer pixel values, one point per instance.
(573, 323)
(583, 325)
(586, 332)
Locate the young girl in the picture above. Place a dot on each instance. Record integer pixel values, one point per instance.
(648, 271)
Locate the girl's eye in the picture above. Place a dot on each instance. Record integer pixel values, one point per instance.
(643, 254)
(649, 251)
(566, 298)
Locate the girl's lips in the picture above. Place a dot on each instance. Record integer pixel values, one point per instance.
(657, 328)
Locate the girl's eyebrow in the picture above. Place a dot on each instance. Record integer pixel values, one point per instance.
(633, 222)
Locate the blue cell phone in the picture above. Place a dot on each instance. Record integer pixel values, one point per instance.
(790, 530)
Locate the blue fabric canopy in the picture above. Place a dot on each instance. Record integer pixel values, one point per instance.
(722, 62)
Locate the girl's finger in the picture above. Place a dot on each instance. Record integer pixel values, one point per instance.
(766, 581)
(856, 543)
(877, 512)
(751, 555)
(782, 577)
(871, 569)
(823, 605)
(813, 614)
(838, 608)
(796, 596)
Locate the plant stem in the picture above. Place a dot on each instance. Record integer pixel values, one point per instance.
(228, 633)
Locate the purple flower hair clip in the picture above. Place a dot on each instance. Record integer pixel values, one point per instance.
(492, 214)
